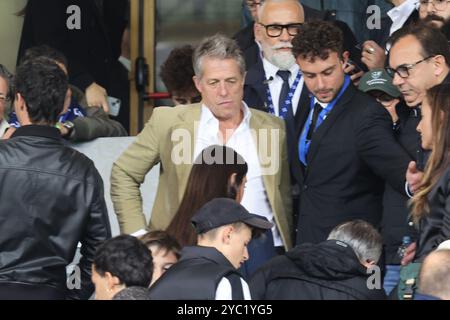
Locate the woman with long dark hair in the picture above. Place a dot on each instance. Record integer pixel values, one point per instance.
(218, 172)
(431, 203)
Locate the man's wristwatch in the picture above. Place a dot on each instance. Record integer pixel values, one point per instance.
(69, 126)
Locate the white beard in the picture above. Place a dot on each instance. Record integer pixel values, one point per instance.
(282, 60)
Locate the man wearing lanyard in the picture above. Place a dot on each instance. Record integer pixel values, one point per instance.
(276, 80)
(274, 83)
(345, 143)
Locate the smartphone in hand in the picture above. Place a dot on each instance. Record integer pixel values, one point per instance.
(356, 54)
(356, 68)
(420, 163)
(114, 106)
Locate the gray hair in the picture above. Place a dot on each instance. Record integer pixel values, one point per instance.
(9, 78)
(217, 47)
(362, 237)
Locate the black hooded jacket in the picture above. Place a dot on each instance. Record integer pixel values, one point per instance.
(329, 270)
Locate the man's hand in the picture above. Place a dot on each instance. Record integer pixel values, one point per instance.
(410, 252)
(392, 111)
(372, 55)
(96, 96)
(413, 177)
(356, 77)
(390, 106)
(8, 133)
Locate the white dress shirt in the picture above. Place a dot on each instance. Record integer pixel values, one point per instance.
(322, 104)
(255, 198)
(276, 84)
(400, 14)
(223, 291)
(3, 126)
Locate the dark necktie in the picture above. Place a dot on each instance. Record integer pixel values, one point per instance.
(316, 112)
(283, 74)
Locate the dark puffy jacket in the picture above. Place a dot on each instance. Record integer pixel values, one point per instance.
(196, 276)
(329, 270)
(395, 218)
(51, 198)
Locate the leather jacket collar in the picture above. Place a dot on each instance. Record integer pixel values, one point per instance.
(38, 130)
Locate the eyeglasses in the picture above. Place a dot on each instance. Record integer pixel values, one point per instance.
(403, 70)
(4, 99)
(439, 5)
(275, 30)
(253, 3)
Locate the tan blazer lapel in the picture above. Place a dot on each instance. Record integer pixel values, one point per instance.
(183, 143)
(261, 132)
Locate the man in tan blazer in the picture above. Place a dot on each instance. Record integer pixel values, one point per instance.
(174, 136)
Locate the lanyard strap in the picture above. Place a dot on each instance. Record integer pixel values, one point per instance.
(304, 143)
(287, 102)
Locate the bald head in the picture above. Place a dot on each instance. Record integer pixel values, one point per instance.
(270, 6)
(278, 23)
(435, 275)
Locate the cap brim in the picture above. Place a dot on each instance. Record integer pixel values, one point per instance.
(258, 222)
(390, 91)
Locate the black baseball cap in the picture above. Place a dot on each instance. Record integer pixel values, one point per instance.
(223, 211)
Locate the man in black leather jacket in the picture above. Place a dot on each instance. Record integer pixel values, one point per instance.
(51, 196)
